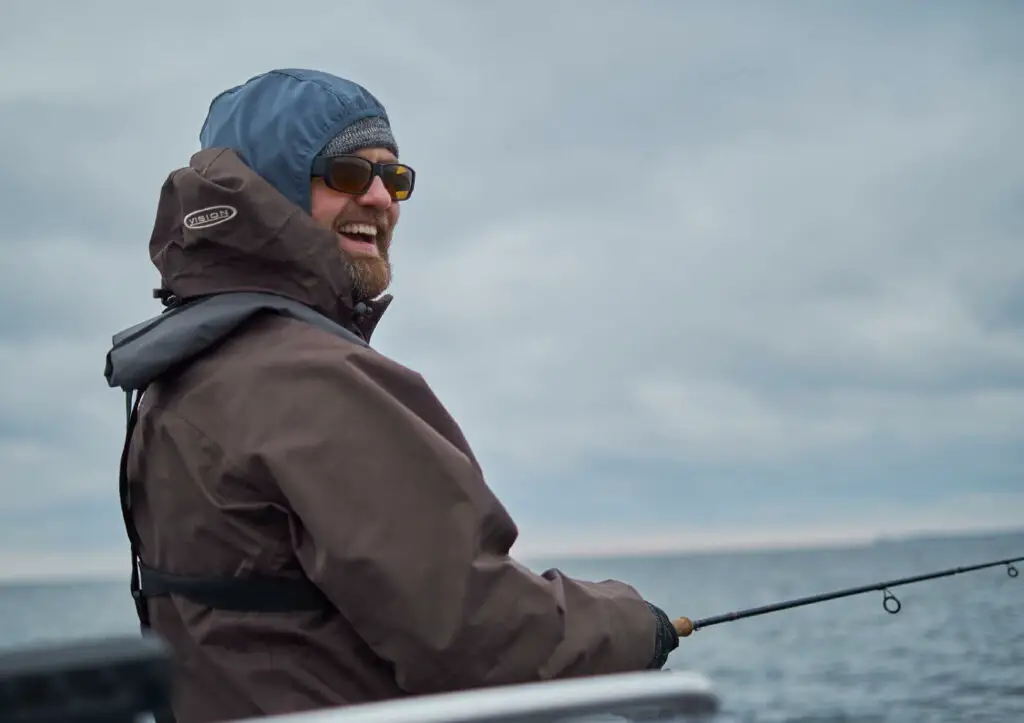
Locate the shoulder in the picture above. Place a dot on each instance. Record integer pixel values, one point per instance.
(296, 363)
(297, 374)
(274, 343)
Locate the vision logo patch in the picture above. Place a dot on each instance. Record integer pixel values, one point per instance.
(207, 217)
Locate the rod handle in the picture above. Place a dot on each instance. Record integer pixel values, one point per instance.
(683, 626)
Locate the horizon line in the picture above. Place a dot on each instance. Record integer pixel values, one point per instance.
(783, 544)
(106, 573)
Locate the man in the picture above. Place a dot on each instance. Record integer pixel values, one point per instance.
(312, 528)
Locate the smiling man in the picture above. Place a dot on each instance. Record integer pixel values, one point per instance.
(310, 525)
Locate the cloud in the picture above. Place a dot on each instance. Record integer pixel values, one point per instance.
(708, 268)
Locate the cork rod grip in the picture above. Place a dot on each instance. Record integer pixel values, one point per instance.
(683, 626)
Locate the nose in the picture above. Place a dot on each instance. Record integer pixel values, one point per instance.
(376, 196)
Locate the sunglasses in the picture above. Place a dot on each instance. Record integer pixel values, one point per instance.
(354, 175)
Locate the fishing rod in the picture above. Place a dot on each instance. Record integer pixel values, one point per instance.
(685, 626)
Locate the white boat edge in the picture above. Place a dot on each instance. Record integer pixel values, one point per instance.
(681, 694)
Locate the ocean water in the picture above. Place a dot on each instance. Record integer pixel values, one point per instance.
(954, 654)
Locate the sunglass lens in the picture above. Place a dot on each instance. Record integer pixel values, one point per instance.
(350, 175)
(399, 180)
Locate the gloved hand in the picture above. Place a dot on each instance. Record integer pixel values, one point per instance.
(667, 638)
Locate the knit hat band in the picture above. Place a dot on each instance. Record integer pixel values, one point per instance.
(372, 132)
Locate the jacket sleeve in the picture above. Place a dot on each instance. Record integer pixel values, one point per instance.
(400, 531)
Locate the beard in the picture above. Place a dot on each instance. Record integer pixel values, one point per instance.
(371, 277)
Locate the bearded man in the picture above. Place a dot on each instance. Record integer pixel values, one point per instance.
(309, 526)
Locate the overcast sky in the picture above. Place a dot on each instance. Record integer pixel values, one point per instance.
(686, 273)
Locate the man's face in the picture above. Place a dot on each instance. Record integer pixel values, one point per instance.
(363, 225)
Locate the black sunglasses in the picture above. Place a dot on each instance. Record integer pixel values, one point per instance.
(354, 175)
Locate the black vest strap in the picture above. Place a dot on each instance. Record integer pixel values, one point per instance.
(248, 594)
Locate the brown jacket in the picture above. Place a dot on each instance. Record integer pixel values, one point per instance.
(285, 450)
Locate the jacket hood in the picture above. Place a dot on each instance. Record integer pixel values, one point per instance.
(221, 227)
(277, 122)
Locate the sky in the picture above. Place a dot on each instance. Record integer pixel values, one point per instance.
(688, 275)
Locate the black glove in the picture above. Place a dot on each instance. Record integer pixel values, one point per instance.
(666, 640)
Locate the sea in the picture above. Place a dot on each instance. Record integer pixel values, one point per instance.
(953, 654)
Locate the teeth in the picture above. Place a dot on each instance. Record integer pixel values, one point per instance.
(363, 229)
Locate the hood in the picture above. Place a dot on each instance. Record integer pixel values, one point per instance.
(278, 121)
(220, 227)
(229, 246)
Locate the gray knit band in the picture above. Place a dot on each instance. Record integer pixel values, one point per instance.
(372, 132)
